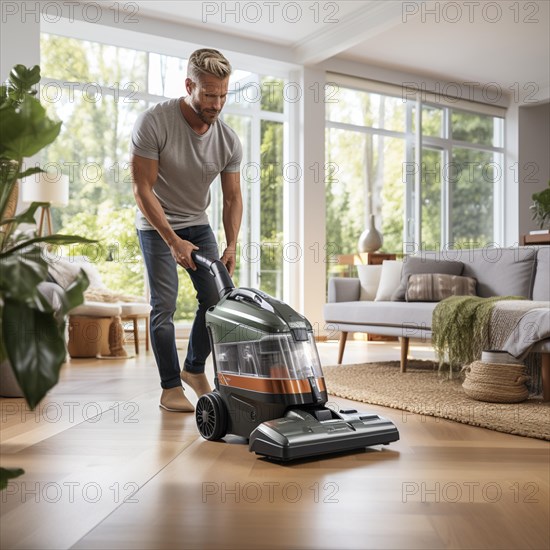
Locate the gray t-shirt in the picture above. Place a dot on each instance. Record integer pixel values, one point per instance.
(188, 162)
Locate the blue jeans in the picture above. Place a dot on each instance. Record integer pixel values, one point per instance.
(163, 282)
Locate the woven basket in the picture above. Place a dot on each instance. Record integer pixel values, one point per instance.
(496, 382)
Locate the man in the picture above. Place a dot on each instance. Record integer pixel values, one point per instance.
(178, 148)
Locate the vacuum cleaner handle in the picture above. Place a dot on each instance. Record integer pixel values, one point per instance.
(218, 270)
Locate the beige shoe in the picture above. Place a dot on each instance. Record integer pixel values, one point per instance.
(198, 382)
(174, 400)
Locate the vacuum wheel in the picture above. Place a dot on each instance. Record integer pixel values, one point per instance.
(211, 416)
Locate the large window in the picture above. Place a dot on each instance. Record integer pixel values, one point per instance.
(93, 89)
(366, 148)
(444, 197)
(97, 91)
(256, 111)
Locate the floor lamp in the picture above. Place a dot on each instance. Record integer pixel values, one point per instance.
(48, 188)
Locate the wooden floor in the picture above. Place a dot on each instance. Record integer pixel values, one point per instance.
(106, 468)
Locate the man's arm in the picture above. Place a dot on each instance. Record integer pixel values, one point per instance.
(232, 215)
(144, 176)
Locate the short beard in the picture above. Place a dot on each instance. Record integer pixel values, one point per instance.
(200, 113)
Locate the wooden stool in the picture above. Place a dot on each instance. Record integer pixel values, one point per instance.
(134, 311)
(134, 318)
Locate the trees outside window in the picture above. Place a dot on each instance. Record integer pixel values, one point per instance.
(98, 91)
(372, 169)
(92, 88)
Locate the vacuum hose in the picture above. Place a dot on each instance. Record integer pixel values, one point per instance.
(223, 281)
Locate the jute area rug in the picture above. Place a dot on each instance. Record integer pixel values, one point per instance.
(424, 390)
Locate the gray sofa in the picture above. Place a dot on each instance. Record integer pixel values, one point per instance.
(520, 271)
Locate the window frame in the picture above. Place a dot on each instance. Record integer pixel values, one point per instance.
(416, 142)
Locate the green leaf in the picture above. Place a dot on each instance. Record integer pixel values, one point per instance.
(24, 78)
(74, 293)
(70, 297)
(9, 170)
(30, 172)
(21, 273)
(20, 82)
(26, 130)
(541, 206)
(35, 347)
(53, 239)
(3, 96)
(9, 473)
(27, 216)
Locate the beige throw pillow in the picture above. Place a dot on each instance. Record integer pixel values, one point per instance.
(416, 264)
(390, 277)
(369, 277)
(434, 287)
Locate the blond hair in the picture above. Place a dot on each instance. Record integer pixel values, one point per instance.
(207, 61)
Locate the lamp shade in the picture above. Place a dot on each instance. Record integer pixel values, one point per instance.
(46, 187)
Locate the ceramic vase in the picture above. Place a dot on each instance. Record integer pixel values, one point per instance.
(371, 239)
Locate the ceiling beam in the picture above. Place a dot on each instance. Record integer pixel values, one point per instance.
(370, 19)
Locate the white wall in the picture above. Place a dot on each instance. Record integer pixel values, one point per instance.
(534, 159)
(19, 45)
(19, 39)
(312, 200)
(511, 187)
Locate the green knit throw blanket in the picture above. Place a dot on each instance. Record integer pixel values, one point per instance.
(460, 328)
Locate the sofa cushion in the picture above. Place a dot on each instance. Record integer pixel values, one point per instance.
(500, 271)
(434, 287)
(96, 309)
(381, 313)
(64, 272)
(369, 277)
(134, 308)
(541, 286)
(416, 264)
(390, 278)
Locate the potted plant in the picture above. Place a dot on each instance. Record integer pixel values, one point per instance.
(32, 338)
(541, 208)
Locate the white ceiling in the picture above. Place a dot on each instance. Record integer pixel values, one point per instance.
(504, 42)
(277, 22)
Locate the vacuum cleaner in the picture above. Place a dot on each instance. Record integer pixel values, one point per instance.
(269, 386)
